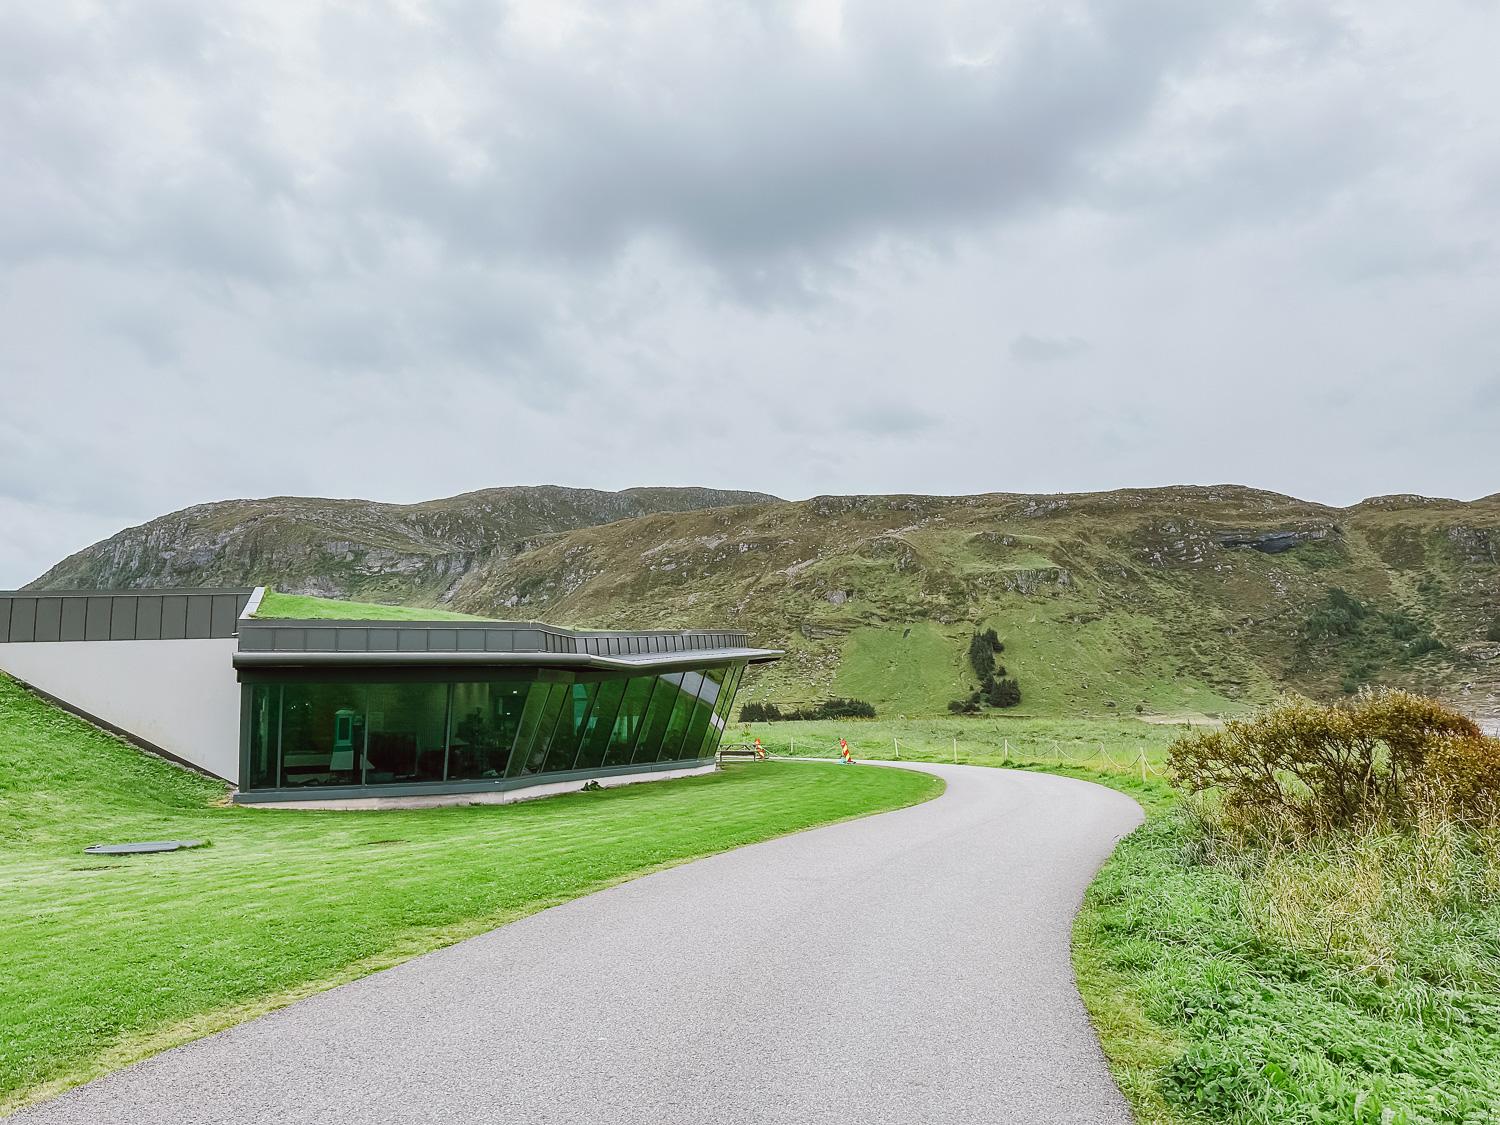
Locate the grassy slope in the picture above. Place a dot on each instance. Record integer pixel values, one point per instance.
(1123, 598)
(107, 960)
(1126, 598)
(300, 607)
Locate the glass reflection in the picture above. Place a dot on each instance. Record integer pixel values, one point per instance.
(306, 735)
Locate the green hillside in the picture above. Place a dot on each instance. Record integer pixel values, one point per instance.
(1173, 601)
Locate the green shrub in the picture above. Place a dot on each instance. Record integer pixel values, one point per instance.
(835, 708)
(1493, 633)
(760, 713)
(842, 709)
(1339, 615)
(1304, 768)
(1422, 644)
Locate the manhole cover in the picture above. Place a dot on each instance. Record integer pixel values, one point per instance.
(138, 849)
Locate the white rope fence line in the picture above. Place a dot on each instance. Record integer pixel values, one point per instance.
(1060, 754)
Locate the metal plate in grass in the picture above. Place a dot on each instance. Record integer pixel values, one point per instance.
(142, 849)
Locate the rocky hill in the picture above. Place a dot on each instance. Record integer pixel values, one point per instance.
(1170, 601)
(411, 553)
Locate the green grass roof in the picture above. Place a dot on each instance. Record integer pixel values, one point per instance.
(276, 605)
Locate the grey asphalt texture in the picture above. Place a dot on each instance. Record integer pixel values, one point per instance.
(907, 967)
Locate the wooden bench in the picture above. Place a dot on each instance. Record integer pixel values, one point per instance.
(741, 753)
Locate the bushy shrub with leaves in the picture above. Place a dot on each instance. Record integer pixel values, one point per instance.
(756, 712)
(1307, 768)
(828, 709)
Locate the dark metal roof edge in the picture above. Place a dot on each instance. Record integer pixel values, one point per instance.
(655, 661)
(481, 623)
(112, 592)
(393, 623)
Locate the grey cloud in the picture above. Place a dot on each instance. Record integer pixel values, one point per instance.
(662, 238)
(892, 419)
(1027, 348)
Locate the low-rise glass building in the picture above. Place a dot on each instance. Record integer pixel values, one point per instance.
(350, 709)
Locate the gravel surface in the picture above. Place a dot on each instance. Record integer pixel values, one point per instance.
(910, 967)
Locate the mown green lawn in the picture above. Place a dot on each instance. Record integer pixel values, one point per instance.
(108, 960)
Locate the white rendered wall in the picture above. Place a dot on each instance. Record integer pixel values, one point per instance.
(179, 695)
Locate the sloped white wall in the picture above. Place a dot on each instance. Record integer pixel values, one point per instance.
(179, 695)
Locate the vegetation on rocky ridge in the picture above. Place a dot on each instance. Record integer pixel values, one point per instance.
(1188, 600)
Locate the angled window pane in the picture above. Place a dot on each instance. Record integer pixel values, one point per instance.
(569, 730)
(600, 724)
(658, 711)
(708, 695)
(719, 723)
(543, 705)
(682, 715)
(629, 720)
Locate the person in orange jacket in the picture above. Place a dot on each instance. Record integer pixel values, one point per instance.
(760, 751)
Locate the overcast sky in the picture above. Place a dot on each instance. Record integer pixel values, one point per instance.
(411, 249)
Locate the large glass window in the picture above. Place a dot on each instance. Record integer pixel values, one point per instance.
(322, 734)
(265, 745)
(714, 691)
(600, 724)
(708, 696)
(406, 732)
(726, 701)
(570, 726)
(628, 720)
(658, 712)
(350, 734)
(486, 721)
(682, 716)
(544, 704)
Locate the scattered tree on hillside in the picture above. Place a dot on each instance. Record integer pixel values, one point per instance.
(982, 657)
(1005, 693)
(1494, 631)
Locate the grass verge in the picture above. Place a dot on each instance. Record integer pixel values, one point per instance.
(109, 960)
(1356, 981)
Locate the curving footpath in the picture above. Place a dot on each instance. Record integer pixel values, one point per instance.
(907, 967)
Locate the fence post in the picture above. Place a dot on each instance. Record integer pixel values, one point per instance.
(955, 749)
(897, 742)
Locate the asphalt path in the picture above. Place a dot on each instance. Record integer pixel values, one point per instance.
(906, 967)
